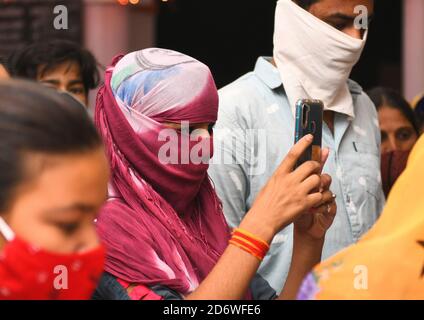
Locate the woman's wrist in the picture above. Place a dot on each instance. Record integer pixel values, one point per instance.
(309, 241)
(258, 227)
(307, 248)
(306, 255)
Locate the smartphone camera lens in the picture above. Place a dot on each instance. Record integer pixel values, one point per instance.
(305, 115)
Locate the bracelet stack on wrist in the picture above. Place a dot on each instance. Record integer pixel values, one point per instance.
(250, 243)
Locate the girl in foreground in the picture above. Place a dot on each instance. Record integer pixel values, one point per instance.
(53, 181)
(163, 225)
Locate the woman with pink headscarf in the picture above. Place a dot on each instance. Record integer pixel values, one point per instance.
(163, 226)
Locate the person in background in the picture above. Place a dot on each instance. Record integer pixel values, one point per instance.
(418, 106)
(399, 133)
(59, 64)
(316, 45)
(53, 181)
(163, 226)
(388, 262)
(4, 74)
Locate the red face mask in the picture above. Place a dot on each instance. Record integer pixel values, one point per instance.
(29, 273)
(392, 165)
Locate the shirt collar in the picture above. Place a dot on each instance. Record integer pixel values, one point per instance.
(268, 73)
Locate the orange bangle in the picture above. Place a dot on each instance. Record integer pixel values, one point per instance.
(246, 248)
(259, 243)
(250, 243)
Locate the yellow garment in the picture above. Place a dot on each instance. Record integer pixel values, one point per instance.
(388, 262)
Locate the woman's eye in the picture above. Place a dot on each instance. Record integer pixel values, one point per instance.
(404, 135)
(192, 129)
(68, 228)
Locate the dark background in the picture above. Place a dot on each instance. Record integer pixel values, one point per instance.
(27, 21)
(229, 35)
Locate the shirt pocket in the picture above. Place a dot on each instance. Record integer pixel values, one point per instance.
(369, 173)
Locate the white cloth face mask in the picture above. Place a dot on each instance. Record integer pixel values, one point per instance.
(314, 59)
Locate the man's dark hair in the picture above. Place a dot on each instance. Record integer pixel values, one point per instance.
(3, 62)
(37, 119)
(305, 4)
(387, 97)
(26, 62)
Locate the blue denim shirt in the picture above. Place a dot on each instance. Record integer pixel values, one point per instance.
(257, 102)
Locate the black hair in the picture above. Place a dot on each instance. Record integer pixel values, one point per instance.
(419, 112)
(305, 4)
(381, 96)
(34, 118)
(27, 61)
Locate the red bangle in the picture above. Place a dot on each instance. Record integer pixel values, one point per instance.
(260, 244)
(250, 243)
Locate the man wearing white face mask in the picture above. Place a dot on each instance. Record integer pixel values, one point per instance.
(316, 45)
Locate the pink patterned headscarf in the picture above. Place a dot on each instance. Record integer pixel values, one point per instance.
(163, 223)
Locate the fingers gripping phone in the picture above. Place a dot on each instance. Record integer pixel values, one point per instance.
(309, 117)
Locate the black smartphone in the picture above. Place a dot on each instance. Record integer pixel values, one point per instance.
(309, 116)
